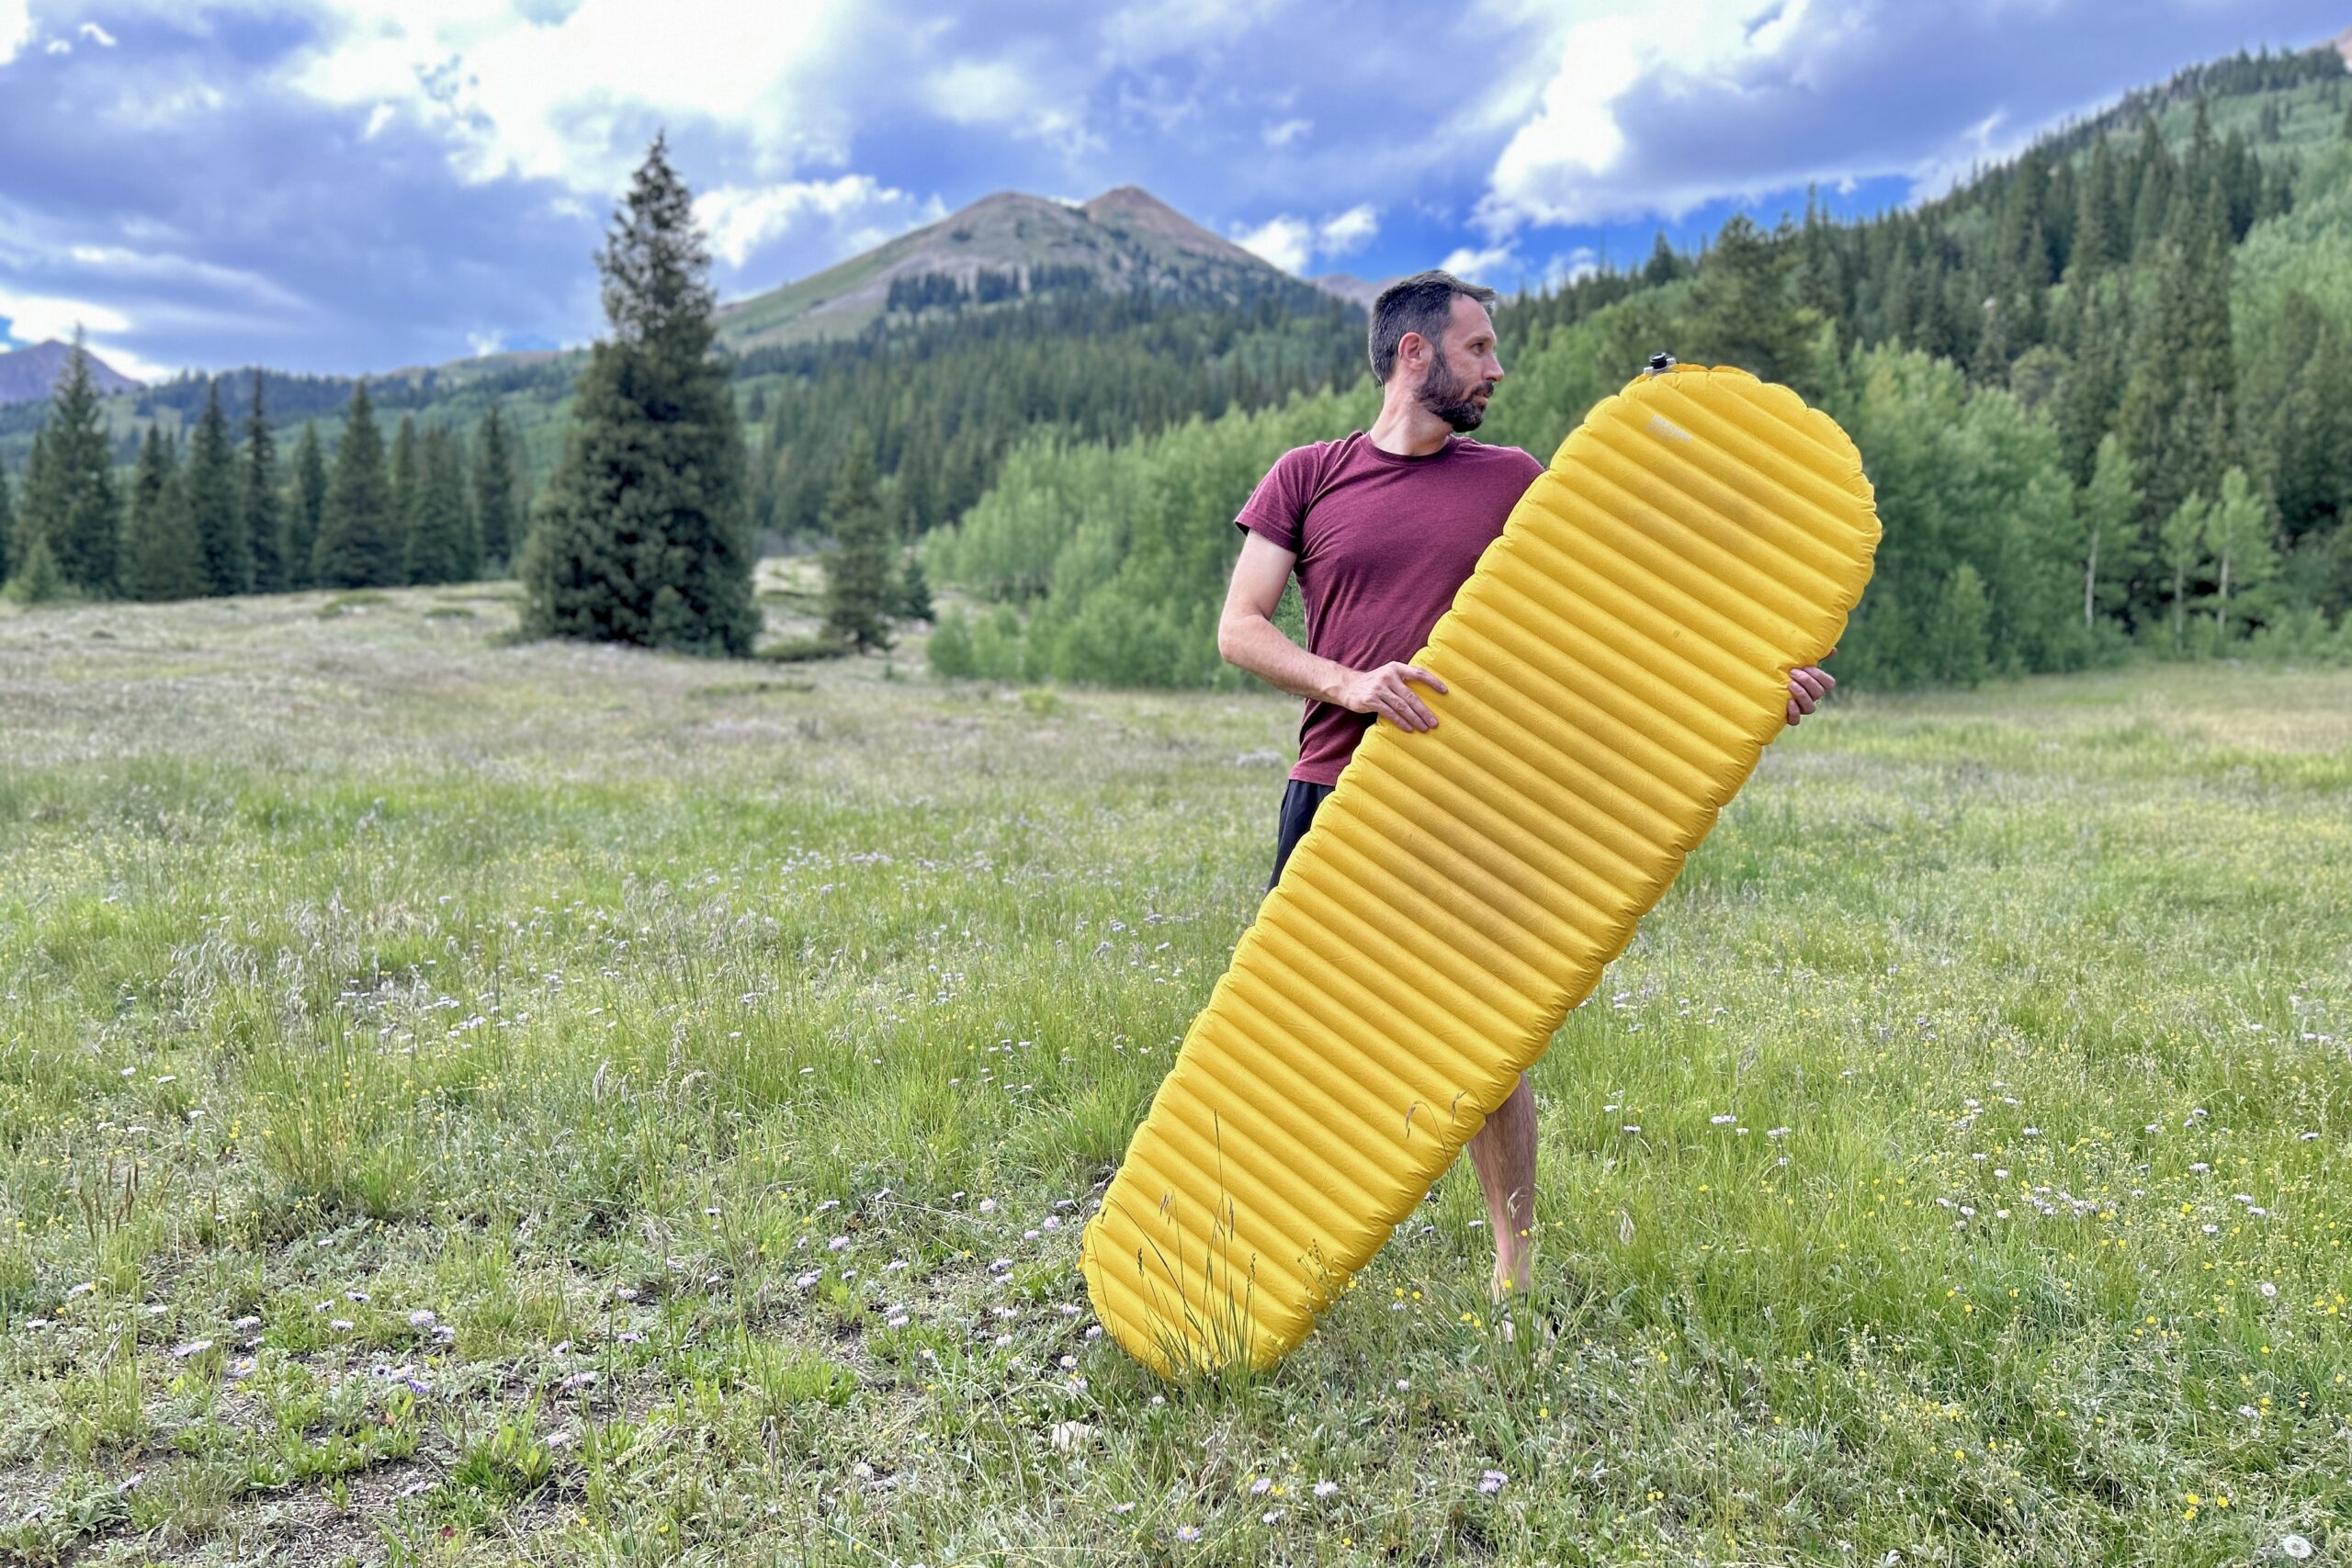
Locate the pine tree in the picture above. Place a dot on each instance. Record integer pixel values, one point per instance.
(2108, 507)
(2311, 433)
(644, 534)
(70, 502)
(459, 485)
(2151, 179)
(1741, 312)
(407, 475)
(166, 557)
(1663, 265)
(2096, 241)
(211, 483)
(858, 591)
(2093, 385)
(263, 505)
(436, 542)
(7, 523)
(309, 506)
(35, 503)
(914, 589)
(2175, 410)
(493, 486)
(359, 542)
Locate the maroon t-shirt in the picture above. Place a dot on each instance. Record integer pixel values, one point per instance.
(1383, 543)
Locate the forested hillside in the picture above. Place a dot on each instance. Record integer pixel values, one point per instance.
(949, 374)
(2104, 392)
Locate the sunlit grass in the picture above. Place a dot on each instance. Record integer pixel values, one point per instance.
(463, 1102)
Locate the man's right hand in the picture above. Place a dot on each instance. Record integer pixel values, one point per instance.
(1384, 693)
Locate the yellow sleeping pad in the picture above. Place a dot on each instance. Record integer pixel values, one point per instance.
(1615, 665)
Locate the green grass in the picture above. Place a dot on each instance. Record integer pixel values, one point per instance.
(690, 1044)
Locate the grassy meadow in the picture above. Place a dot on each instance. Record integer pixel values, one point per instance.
(472, 1103)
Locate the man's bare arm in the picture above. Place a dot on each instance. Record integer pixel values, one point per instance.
(1247, 637)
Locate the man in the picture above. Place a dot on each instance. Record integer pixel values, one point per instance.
(1382, 527)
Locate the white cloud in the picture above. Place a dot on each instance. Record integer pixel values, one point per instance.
(1288, 243)
(131, 363)
(1293, 244)
(1560, 166)
(741, 219)
(37, 318)
(58, 46)
(1990, 141)
(97, 35)
(1288, 131)
(567, 98)
(1350, 231)
(16, 27)
(1479, 266)
(1002, 93)
(1582, 261)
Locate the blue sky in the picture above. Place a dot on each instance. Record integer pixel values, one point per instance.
(345, 185)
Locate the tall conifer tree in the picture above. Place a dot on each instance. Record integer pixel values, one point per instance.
(34, 503)
(408, 474)
(263, 503)
(2152, 174)
(308, 507)
(860, 595)
(167, 559)
(2095, 244)
(211, 480)
(644, 534)
(360, 543)
(1741, 311)
(436, 540)
(494, 488)
(70, 502)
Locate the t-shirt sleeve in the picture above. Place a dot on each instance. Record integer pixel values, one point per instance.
(1277, 508)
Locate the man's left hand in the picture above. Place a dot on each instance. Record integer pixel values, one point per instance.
(1809, 686)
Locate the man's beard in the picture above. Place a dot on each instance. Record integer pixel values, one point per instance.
(1451, 399)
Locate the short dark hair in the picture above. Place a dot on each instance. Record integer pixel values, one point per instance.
(1423, 304)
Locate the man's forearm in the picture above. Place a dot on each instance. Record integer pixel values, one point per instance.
(1256, 644)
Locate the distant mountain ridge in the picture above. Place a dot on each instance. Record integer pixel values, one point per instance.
(1349, 286)
(1125, 238)
(28, 375)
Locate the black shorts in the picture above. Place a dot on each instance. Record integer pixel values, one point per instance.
(1299, 801)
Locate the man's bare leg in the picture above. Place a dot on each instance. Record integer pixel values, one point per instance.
(1504, 1154)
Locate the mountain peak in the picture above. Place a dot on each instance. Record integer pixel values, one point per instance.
(1138, 207)
(1125, 238)
(29, 375)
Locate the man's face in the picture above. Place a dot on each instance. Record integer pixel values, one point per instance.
(1463, 372)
